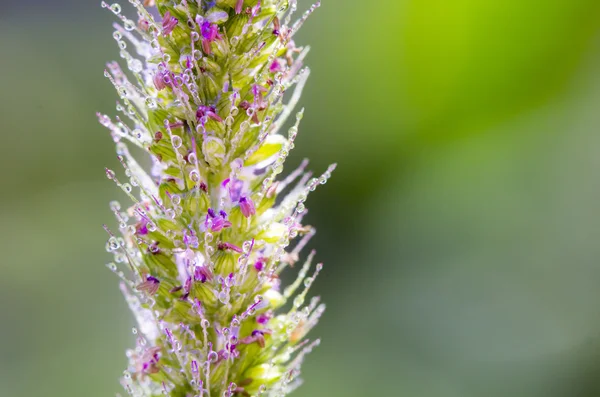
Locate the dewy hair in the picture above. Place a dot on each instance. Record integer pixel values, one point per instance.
(209, 89)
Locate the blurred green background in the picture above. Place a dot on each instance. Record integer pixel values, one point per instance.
(460, 233)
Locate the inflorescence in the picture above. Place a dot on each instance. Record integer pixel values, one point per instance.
(211, 227)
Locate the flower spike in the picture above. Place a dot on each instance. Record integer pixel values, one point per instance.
(209, 228)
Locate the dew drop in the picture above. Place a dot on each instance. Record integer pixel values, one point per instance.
(176, 141)
(223, 297)
(246, 246)
(116, 8)
(170, 213)
(292, 132)
(298, 301)
(114, 206)
(129, 25)
(213, 357)
(194, 176)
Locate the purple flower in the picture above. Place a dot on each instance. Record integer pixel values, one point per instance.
(247, 206)
(150, 286)
(169, 23)
(210, 32)
(218, 222)
(238, 6)
(275, 67)
(161, 80)
(262, 318)
(202, 274)
(147, 361)
(256, 336)
(141, 227)
(228, 246)
(235, 189)
(207, 111)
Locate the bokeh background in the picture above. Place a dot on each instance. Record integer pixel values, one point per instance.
(460, 233)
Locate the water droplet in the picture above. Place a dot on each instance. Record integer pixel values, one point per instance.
(292, 132)
(298, 301)
(129, 25)
(112, 244)
(151, 226)
(213, 357)
(114, 206)
(223, 297)
(116, 8)
(134, 331)
(176, 141)
(246, 246)
(194, 176)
